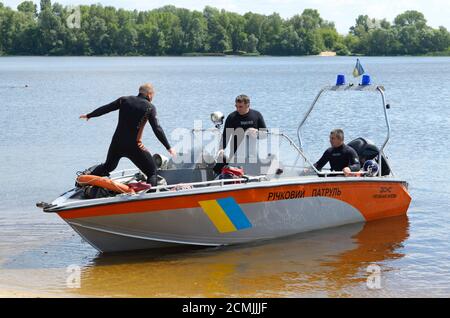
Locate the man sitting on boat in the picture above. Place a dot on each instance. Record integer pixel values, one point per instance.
(340, 156)
(134, 112)
(239, 123)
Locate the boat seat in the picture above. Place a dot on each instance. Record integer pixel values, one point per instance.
(367, 150)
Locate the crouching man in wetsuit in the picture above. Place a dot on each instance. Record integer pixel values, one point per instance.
(340, 156)
(134, 112)
(245, 118)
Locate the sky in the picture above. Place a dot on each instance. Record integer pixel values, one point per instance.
(342, 12)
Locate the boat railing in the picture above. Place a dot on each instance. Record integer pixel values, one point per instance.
(351, 87)
(194, 185)
(130, 173)
(311, 168)
(202, 184)
(300, 153)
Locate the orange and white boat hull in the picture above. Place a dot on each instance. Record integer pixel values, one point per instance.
(234, 214)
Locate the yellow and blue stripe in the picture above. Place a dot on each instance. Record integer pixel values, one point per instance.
(226, 215)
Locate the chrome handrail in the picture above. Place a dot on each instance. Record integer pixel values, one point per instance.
(218, 183)
(221, 182)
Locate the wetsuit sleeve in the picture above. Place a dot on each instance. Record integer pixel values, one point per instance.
(261, 122)
(261, 127)
(115, 105)
(157, 129)
(225, 138)
(354, 164)
(322, 161)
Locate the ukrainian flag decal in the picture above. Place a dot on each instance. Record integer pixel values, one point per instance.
(226, 215)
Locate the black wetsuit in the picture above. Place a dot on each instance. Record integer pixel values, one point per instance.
(134, 112)
(339, 158)
(253, 119)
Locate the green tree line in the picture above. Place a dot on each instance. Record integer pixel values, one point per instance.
(105, 30)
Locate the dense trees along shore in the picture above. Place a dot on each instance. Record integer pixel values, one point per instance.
(53, 29)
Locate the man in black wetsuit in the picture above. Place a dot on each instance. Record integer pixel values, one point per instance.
(243, 120)
(134, 112)
(340, 156)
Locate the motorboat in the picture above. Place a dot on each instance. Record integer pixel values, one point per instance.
(273, 199)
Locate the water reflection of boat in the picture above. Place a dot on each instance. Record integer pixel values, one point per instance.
(323, 263)
(260, 206)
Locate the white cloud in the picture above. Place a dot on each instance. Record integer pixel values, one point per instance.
(342, 12)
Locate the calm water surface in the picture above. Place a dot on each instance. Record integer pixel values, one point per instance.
(43, 144)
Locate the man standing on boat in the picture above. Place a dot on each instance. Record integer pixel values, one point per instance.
(134, 112)
(340, 156)
(243, 120)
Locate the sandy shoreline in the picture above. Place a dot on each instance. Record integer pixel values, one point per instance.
(8, 293)
(17, 294)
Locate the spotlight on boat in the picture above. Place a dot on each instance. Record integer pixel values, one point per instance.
(366, 80)
(162, 162)
(340, 80)
(217, 118)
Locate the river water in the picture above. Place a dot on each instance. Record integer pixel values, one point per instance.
(43, 144)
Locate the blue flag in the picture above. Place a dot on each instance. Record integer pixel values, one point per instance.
(358, 71)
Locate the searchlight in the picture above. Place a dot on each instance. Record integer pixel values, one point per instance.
(217, 118)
